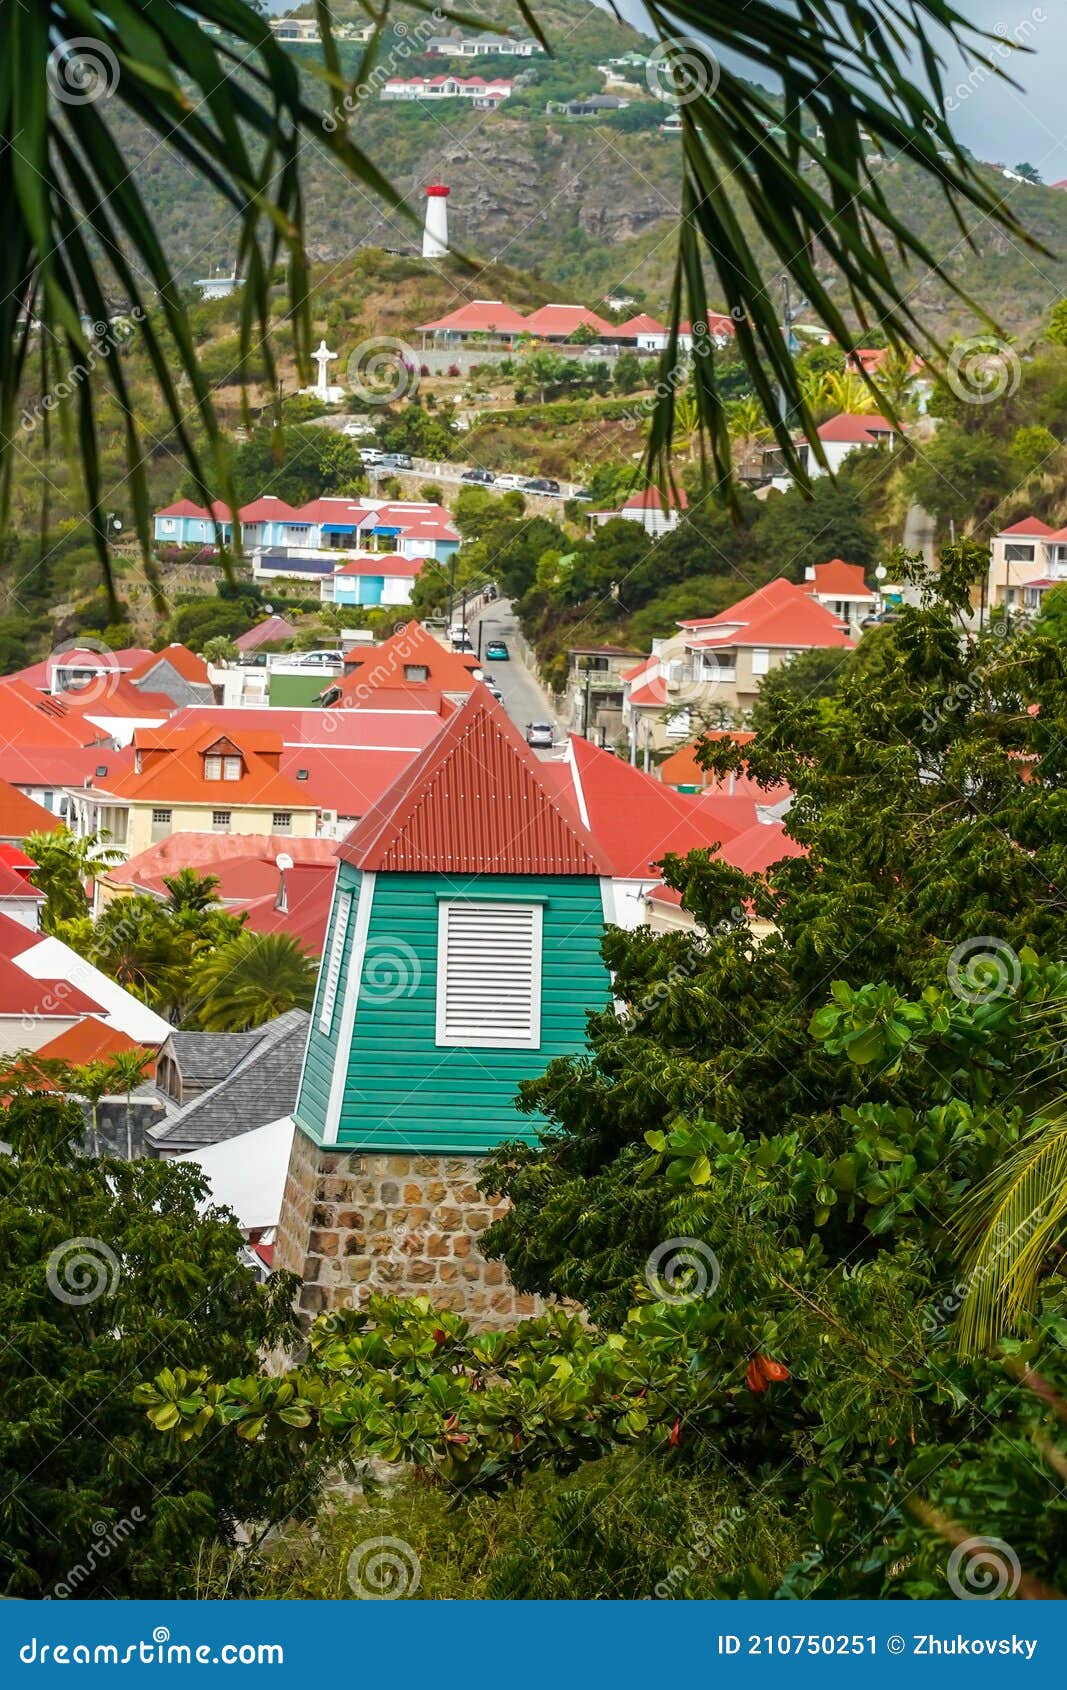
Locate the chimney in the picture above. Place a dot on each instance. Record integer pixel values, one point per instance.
(435, 232)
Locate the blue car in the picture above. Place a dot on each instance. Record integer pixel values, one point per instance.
(497, 652)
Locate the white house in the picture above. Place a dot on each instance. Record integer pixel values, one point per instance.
(1026, 561)
(648, 508)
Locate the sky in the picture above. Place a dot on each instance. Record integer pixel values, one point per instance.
(1000, 123)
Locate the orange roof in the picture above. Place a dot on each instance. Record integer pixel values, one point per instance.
(837, 579)
(564, 319)
(778, 614)
(681, 767)
(177, 776)
(29, 717)
(641, 324)
(481, 316)
(651, 499)
(20, 815)
(92, 1040)
(474, 802)
(858, 430)
(1031, 526)
(183, 661)
(389, 666)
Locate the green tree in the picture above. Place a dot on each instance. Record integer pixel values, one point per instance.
(110, 1267)
(63, 863)
(253, 978)
(808, 677)
(219, 649)
(629, 373)
(1034, 449)
(1057, 323)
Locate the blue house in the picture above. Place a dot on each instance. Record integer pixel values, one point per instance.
(462, 956)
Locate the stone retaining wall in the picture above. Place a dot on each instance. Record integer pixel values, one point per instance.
(357, 1222)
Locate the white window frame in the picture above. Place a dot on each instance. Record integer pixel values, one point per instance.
(212, 766)
(761, 660)
(501, 1038)
(231, 768)
(281, 820)
(331, 974)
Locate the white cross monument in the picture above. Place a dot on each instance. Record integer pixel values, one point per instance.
(322, 388)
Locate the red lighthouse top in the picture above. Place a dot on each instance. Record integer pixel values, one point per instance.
(437, 191)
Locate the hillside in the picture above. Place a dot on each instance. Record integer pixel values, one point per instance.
(585, 204)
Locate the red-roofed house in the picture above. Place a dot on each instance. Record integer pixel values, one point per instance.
(20, 815)
(642, 332)
(46, 988)
(275, 630)
(559, 322)
(411, 660)
(842, 590)
(479, 319)
(1027, 555)
(195, 779)
(717, 663)
(656, 514)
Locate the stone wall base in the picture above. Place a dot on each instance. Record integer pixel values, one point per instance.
(358, 1222)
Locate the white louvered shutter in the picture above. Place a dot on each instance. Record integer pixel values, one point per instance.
(333, 966)
(489, 975)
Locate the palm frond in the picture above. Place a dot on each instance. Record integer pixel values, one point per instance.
(860, 83)
(1010, 1225)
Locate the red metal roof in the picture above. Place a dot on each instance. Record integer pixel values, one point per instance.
(838, 579)
(651, 499)
(778, 614)
(265, 633)
(20, 815)
(635, 818)
(681, 767)
(90, 1041)
(474, 803)
(857, 430)
(481, 316)
(641, 324)
(1030, 526)
(390, 664)
(564, 319)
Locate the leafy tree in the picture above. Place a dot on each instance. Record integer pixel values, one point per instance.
(1034, 448)
(629, 373)
(796, 531)
(219, 649)
(253, 978)
(63, 863)
(1057, 323)
(959, 474)
(1028, 173)
(111, 1267)
(808, 677)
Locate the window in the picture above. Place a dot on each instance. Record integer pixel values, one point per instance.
(282, 821)
(332, 976)
(161, 816)
(161, 820)
(1018, 554)
(231, 768)
(489, 975)
(212, 768)
(220, 821)
(416, 672)
(761, 660)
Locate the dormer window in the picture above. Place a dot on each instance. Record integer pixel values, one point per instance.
(212, 768)
(231, 768)
(217, 767)
(415, 672)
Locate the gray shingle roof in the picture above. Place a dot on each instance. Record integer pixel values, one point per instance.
(204, 1058)
(260, 1086)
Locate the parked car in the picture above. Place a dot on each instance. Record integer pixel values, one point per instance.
(540, 734)
(542, 484)
(358, 430)
(492, 687)
(458, 631)
(510, 483)
(315, 659)
(398, 460)
(483, 477)
(371, 454)
(461, 640)
(497, 651)
(582, 493)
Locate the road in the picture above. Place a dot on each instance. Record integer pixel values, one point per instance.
(524, 699)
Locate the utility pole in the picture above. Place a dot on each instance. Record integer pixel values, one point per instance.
(451, 586)
(585, 712)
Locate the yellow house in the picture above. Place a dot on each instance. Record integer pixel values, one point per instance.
(195, 780)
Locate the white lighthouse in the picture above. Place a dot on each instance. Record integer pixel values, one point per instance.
(435, 232)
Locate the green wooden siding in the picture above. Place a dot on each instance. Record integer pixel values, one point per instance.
(403, 1091)
(322, 1047)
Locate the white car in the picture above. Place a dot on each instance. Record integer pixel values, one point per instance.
(458, 632)
(371, 454)
(358, 430)
(510, 483)
(317, 659)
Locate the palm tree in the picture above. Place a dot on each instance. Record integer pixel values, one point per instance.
(63, 863)
(233, 105)
(1013, 1226)
(126, 1070)
(190, 892)
(253, 978)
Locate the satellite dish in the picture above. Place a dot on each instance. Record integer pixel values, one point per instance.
(283, 861)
